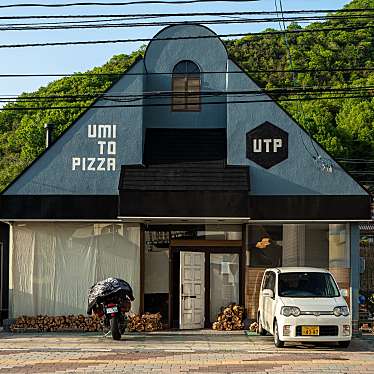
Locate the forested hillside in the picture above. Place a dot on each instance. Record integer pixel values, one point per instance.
(345, 127)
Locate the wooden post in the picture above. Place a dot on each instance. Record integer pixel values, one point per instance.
(243, 266)
(142, 268)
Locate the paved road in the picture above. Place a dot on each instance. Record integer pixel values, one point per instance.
(176, 352)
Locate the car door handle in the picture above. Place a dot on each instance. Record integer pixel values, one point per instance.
(188, 297)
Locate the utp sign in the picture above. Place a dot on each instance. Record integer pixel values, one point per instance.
(267, 145)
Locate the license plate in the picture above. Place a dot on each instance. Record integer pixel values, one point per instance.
(112, 310)
(310, 330)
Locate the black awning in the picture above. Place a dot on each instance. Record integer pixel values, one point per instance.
(199, 176)
(185, 175)
(197, 204)
(208, 189)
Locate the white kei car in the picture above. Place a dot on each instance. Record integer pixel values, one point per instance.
(303, 304)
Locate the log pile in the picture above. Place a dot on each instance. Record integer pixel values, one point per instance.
(147, 322)
(58, 323)
(231, 318)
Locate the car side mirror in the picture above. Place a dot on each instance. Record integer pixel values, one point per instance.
(268, 293)
(344, 292)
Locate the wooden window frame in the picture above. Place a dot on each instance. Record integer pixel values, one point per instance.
(186, 95)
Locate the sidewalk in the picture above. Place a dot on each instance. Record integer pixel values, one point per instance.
(176, 352)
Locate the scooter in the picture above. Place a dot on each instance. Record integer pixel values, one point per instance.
(114, 313)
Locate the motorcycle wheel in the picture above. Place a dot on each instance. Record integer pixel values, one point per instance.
(114, 328)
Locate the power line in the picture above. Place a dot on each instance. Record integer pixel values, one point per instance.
(189, 14)
(147, 2)
(235, 15)
(369, 172)
(356, 161)
(165, 94)
(257, 71)
(168, 104)
(89, 25)
(267, 33)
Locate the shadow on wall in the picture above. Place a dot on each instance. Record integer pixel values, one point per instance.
(55, 264)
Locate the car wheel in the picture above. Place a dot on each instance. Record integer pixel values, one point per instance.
(277, 342)
(261, 329)
(344, 344)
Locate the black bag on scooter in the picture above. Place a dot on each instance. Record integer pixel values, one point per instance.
(108, 288)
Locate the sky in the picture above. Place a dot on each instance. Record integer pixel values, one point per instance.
(70, 59)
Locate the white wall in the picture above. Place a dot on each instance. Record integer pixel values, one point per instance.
(54, 264)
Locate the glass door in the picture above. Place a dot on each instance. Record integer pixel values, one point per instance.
(224, 281)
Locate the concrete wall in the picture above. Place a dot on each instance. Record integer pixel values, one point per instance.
(52, 173)
(300, 174)
(161, 57)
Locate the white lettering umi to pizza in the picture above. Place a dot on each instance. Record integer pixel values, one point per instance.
(107, 150)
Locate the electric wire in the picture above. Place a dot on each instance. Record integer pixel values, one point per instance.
(127, 3)
(191, 14)
(167, 94)
(236, 20)
(130, 17)
(94, 106)
(266, 33)
(257, 71)
(356, 160)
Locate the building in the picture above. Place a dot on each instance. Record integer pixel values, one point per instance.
(189, 197)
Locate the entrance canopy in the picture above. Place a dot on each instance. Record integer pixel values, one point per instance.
(185, 175)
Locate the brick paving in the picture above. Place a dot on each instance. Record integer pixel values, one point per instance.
(177, 352)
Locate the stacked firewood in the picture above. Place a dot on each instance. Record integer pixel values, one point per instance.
(58, 323)
(146, 322)
(230, 318)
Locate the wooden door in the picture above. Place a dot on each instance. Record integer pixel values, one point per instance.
(192, 290)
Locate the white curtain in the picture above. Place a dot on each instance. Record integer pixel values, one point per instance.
(54, 264)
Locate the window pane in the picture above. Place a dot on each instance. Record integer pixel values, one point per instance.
(180, 68)
(186, 67)
(307, 284)
(265, 246)
(179, 85)
(193, 99)
(179, 97)
(186, 79)
(192, 68)
(224, 282)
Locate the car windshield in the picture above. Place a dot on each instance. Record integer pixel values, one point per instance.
(307, 284)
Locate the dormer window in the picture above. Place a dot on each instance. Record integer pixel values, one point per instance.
(186, 87)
